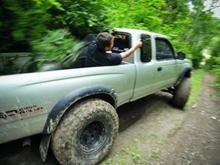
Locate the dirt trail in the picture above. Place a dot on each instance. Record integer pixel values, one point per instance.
(198, 141)
(151, 132)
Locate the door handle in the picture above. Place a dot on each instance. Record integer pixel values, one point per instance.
(159, 68)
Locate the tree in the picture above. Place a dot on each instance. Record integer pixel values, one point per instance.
(80, 17)
(20, 23)
(203, 30)
(140, 14)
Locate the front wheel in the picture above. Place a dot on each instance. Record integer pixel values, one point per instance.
(86, 133)
(181, 93)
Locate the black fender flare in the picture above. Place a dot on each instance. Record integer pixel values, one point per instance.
(62, 106)
(185, 73)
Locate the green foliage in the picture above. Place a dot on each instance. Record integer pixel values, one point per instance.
(81, 17)
(176, 23)
(213, 64)
(56, 45)
(215, 47)
(26, 24)
(204, 29)
(197, 77)
(140, 14)
(23, 22)
(47, 4)
(216, 72)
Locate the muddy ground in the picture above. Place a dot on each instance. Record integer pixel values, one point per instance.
(151, 132)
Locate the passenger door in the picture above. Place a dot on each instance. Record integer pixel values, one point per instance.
(166, 66)
(145, 82)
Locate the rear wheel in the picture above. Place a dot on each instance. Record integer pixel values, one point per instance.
(86, 134)
(181, 93)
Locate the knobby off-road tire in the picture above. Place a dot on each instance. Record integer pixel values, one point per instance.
(181, 93)
(86, 133)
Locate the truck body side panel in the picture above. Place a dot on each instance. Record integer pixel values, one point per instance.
(26, 99)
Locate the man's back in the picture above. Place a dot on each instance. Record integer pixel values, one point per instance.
(96, 57)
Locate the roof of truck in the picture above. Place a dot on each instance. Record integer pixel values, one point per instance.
(136, 31)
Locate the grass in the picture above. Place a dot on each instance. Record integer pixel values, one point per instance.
(216, 75)
(129, 153)
(197, 77)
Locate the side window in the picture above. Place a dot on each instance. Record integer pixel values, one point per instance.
(164, 49)
(122, 43)
(146, 52)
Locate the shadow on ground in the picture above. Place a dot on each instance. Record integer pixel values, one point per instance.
(134, 111)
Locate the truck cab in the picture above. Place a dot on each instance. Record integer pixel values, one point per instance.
(157, 64)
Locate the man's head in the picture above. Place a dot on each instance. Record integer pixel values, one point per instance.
(104, 41)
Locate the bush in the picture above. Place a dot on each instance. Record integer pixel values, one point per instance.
(55, 45)
(213, 64)
(80, 17)
(216, 71)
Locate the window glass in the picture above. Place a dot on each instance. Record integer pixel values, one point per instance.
(15, 63)
(164, 49)
(122, 43)
(146, 52)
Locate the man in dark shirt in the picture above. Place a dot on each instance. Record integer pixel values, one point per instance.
(98, 53)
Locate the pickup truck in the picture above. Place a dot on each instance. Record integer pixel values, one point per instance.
(75, 109)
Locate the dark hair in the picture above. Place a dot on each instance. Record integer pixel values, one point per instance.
(103, 40)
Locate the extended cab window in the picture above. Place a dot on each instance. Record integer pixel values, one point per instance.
(164, 49)
(146, 51)
(122, 43)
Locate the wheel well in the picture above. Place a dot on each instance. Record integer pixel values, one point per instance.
(107, 98)
(187, 73)
(102, 96)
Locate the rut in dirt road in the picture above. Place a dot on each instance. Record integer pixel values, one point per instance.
(198, 142)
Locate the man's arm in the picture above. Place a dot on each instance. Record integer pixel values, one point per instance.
(131, 50)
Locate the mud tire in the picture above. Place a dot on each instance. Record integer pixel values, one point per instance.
(73, 141)
(181, 93)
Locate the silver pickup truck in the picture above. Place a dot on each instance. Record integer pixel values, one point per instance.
(75, 109)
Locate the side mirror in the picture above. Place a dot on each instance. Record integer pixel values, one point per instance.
(181, 56)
